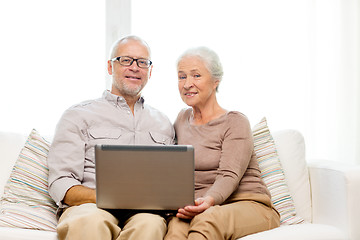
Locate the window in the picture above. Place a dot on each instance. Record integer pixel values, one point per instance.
(52, 56)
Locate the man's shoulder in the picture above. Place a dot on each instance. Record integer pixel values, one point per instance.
(86, 104)
(156, 114)
(83, 104)
(154, 110)
(83, 109)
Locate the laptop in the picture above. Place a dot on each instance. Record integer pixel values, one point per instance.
(144, 177)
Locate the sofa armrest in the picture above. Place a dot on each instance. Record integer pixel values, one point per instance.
(335, 189)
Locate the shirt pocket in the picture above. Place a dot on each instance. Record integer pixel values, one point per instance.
(105, 133)
(100, 136)
(160, 138)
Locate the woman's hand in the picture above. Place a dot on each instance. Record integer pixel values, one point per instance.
(201, 204)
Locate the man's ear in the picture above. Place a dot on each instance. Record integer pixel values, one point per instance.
(151, 67)
(109, 67)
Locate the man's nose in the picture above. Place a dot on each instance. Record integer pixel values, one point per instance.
(134, 65)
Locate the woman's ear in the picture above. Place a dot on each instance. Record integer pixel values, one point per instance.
(216, 85)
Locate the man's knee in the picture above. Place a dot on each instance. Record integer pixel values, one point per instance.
(86, 213)
(144, 226)
(86, 220)
(148, 220)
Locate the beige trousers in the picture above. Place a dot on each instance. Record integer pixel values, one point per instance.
(228, 221)
(89, 222)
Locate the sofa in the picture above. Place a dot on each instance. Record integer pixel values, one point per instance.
(320, 198)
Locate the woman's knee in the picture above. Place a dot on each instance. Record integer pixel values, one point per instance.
(209, 215)
(208, 224)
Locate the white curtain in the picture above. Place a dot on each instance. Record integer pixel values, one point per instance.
(334, 82)
(295, 62)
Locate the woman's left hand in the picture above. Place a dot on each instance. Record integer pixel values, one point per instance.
(201, 204)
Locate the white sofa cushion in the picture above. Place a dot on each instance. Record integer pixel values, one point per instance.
(307, 231)
(10, 147)
(10, 233)
(26, 202)
(290, 147)
(336, 195)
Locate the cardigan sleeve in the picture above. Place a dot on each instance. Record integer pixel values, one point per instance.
(236, 151)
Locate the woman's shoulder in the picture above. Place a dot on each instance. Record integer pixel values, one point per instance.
(237, 115)
(182, 117)
(237, 118)
(184, 113)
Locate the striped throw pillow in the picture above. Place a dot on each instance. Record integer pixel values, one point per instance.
(273, 175)
(26, 202)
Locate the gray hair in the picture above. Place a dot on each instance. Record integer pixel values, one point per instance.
(210, 58)
(115, 46)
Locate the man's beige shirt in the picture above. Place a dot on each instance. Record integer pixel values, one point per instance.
(107, 120)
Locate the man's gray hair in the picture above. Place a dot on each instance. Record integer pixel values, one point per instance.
(210, 58)
(115, 46)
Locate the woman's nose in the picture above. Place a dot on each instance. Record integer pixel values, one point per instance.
(188, 83)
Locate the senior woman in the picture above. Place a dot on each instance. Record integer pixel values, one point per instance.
(231, 200)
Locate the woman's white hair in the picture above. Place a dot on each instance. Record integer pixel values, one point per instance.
(210, 58)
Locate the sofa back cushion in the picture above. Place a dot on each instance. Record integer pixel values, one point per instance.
(10, 147)
(290, 147)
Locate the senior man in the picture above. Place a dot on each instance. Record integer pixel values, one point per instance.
(118, 117)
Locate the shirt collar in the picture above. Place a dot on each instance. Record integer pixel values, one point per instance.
(115, 99)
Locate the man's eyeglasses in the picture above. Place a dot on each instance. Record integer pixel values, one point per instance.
(128, 61)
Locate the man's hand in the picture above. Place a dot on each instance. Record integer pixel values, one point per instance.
(79, 194)
(201, 204)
